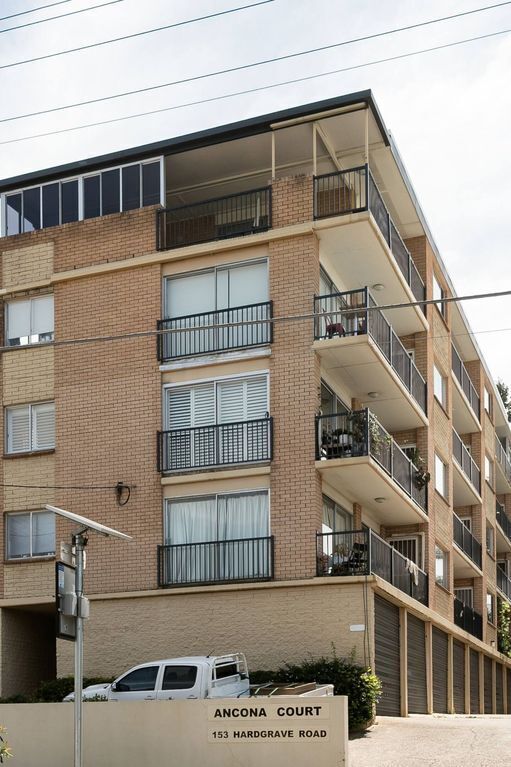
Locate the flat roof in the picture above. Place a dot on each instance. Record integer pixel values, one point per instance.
(229, 132)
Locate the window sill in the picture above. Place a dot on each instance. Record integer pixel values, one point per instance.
(26, 560)
(28, 454)
(440, 404)
(22, 347)
(443, 497)
(444, 588)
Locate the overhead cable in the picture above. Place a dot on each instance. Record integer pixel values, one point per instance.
(33, 10)
(60, 16)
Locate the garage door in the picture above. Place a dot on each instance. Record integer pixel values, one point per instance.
(499, 689)
(417, 698)
(488, 685)
(386, 651)
(440, 646)
(474, 682)
(458, 676)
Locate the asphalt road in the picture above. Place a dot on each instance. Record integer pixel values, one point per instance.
(428, 741)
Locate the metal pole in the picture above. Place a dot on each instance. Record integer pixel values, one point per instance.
(79, 541)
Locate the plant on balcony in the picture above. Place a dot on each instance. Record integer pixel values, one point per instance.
(504, 628)
(422, 476)
(378, 438)
(5, 751)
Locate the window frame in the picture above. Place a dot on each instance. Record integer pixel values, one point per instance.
(490, 539)
(488, 401)
(443, 580)
(30, 342)
(439, 376)
(438, 293)
(489, 470)
(490, 608)
(31, 407)
(444, 492)
(30, 513)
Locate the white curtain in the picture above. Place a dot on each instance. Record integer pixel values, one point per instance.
(190, 521)
(243, 517)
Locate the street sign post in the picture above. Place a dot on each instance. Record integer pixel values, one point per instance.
(65, 601)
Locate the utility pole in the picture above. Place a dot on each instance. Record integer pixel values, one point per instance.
(79, 542)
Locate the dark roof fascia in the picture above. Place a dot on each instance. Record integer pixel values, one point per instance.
(250, 127)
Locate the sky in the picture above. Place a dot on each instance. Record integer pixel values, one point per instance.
(449, 110)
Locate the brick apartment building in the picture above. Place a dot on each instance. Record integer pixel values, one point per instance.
(275, 472)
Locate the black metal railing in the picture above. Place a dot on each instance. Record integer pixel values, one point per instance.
(223, 444)
(359, 433)
(354, 190)
(221, 330)
(467, 542)
(465, 461)
(503, 582)
(464, 380)
(215, 219)
(363, 552)
(503, 519)
(465, 617)
(242, 559)
(353, 313)
(502, 459)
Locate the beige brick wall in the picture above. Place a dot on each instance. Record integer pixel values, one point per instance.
(27, 375)
(34, 579)
(24, 265)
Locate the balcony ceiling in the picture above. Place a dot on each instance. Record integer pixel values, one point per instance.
(464, 567)
(464, 492)
(358, 366)
(502, 486)
(464, 418)
(503, 542)
(362, 480)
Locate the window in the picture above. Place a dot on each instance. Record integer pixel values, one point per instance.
(335, 518)
(465, 595)
(441, 567)
(440, 386)
(410, 546)
(30, 427)
(490, 540)
(126, 188)
(488, 470)
(410, 450)
(467, 521)
(179, 677)
(140, 680)
(438, 294)
(490, 607)
(440, 476)
(488, 402)
(30, 534)
(331, 404)
(29, 321)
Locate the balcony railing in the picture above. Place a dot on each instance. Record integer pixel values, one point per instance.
(217, 331)
(215, 219)
(243, 559)
(223, 444)
(502, 459)
(353, 191)
(352, 313)
(346, 435)
(467, 542)
(503, 583)
(503, 519)
(468, 619)
(465, 461)
(463, 378)
(362, 552)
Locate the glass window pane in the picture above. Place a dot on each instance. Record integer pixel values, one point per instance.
(192, 294)
(69, 193)
(43, 534)
(32, 209)
(151, 183)
(110, 192)
(140, 679)
(247, 284)
(51, 205)
(131, 187)
(13, 214)
(179, 677)
(91, 197)
(18, 535)
(18, 322)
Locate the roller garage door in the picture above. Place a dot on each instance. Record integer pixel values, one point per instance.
(458, 676)
(417, 698)
(440, 649)
(488, 685)
(386, 651)
(499, 688)
(474, 682)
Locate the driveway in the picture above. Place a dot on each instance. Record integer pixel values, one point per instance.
(428, 741)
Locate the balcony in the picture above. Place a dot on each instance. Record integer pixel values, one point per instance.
(353, 194)
(228, 561)
(466, 475)
(502, 468)
(504, 583)
(234, 215)
(360, 459)
(471, 548)
(218, 331)
(358, 346)
(226, 444)
(503, 528)
(362, 552)
(466, 403)
(468, 619)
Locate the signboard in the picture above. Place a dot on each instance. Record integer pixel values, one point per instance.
(65, 601)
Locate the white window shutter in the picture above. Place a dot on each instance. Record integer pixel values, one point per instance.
(42, 315)
(257, 398)
(43, 426)
(18, 429)
(231, 401)
(18, 319)
(179, 409)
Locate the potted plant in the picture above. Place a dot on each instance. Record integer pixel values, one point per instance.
(5, 751)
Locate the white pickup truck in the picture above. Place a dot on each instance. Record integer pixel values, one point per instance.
(212, 676)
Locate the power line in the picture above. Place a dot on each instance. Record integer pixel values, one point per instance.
(33, 10)
(135, 34)
(61, 16)
(254, 90)
(247, 66)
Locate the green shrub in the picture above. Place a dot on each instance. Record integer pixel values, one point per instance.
(54, 690)
(15, 699)
(360, 684)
